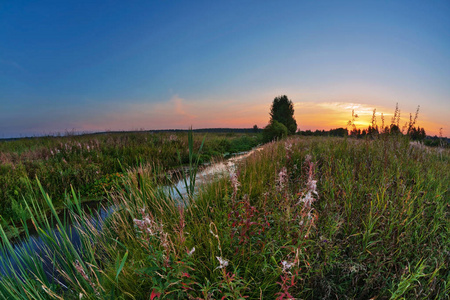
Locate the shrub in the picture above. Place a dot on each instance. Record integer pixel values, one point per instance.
(275, 130)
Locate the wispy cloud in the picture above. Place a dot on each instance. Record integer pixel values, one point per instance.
(180, 109)
(359, 108)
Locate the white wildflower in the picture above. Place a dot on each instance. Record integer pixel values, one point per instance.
(147, 221)
(286, 265)
(223, 263)
(150, 231)
(312, 185)
(148, 225)
(288, 146)
(164, 238)
(282, 179)
(192, 251)
(173, 138)
(311, 188)
(234, 182)
(307, 199)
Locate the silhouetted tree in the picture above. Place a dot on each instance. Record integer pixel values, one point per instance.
(417, 133)
(282, 110)
(372, 130)
(338, 132)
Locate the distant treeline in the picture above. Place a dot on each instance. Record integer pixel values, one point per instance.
(415, 133)
(216, 130)
(332, 132)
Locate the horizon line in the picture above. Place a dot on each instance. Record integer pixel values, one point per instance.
(68, 133)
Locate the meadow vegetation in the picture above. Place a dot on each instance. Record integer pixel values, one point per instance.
(93, 164)
(305, 217)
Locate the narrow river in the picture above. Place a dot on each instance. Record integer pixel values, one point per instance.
(35, 243)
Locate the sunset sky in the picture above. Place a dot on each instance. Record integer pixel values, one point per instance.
(126, 65)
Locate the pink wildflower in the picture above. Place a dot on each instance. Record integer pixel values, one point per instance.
(288, 148)
(234, 183)
(311, 188)
(149, 227)
(282, 179)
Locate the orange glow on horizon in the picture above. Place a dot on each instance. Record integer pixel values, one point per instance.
(179, 113)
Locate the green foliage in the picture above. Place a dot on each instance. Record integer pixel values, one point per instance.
(92, 163)
(219, 146)
(342, 132)
(190, 176)
(102, 186)
(308, 218)
(275, 130)
(282, 110)
(437, 142)
(417, 134)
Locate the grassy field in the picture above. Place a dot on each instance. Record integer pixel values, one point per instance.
(93, 164)
(307, 218)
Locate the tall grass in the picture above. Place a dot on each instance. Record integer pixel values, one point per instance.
(309, 218)
(93, 164)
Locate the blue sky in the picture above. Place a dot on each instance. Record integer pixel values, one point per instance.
(125, 65)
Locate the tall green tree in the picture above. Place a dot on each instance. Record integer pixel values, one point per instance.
(282, 111)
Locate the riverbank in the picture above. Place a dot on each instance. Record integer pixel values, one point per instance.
(303, 218)
(93, 165)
